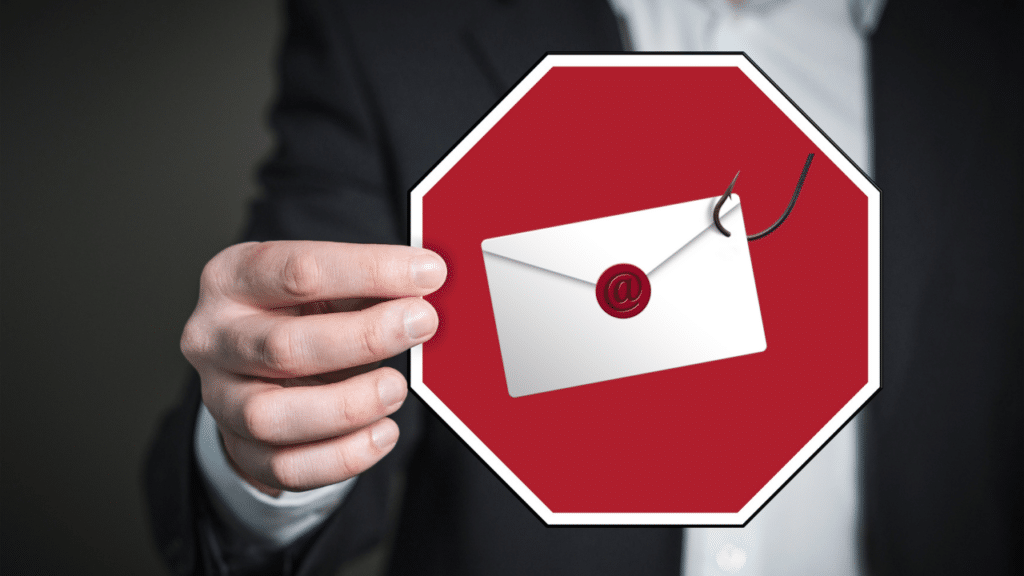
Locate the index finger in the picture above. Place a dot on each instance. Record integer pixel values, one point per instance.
(285, 273)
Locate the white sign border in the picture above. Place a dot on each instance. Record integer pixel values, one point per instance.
(735, 60)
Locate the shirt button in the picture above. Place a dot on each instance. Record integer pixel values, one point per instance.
(731, 558)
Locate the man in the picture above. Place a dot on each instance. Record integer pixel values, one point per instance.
(286, 335)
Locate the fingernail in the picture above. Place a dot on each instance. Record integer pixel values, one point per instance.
(390, 389)
(384, 434)
(427, 271)
(419, 321)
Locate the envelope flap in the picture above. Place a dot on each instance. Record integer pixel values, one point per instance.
(583, 250)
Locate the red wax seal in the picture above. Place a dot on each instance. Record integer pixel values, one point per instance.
(623, 291)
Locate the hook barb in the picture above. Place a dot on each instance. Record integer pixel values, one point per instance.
(721, 201)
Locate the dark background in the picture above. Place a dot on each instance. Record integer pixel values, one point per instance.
(129, 133)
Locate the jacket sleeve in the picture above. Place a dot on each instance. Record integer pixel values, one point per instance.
(330, 178)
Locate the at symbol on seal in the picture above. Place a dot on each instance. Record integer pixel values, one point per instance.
(623, 291)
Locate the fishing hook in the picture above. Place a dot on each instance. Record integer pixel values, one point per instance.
(770, 229)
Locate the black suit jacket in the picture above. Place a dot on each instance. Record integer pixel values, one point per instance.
(373, 93)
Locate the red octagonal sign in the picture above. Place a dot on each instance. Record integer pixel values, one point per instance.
(616, 341)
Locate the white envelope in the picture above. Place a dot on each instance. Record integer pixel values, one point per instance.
(554, 334)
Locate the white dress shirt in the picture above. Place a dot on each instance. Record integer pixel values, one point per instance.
(814, 50)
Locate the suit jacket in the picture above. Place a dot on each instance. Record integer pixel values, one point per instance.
(373, 93)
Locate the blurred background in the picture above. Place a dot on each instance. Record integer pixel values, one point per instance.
(128, 139)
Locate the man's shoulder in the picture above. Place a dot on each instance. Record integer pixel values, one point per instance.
(432, 69)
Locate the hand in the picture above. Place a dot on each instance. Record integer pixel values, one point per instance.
(286, 338)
